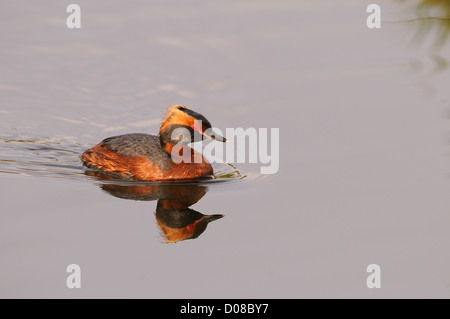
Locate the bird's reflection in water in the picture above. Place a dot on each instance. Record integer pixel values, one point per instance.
(173, 215)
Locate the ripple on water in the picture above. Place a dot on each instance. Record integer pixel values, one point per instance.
(60, 158)
(45, 157)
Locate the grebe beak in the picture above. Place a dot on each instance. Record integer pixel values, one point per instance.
(210, 218)
(216, 137)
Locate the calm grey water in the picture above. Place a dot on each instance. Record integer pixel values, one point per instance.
(364, 148)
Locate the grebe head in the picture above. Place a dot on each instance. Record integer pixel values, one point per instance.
(181, 124)
(182, 224)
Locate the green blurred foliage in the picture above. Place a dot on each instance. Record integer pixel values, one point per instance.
(433, 19)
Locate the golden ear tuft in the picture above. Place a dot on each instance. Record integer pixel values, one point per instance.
(174, 109)
(178, 106)
(175, 113)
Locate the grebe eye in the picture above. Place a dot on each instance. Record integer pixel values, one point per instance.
(196, 127)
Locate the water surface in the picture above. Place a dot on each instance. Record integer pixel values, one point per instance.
(364, 152)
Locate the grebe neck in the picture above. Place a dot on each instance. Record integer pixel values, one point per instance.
(165, 136)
